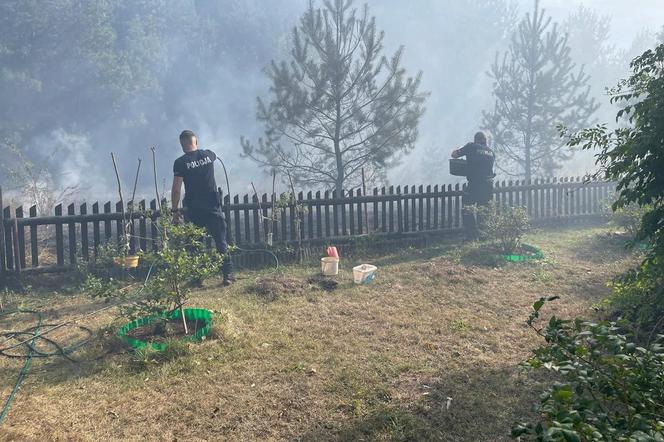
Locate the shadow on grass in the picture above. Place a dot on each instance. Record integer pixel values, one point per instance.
(473, 405)
(600, 248)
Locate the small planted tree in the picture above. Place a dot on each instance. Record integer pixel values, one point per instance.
(181, 263)
(505, 227)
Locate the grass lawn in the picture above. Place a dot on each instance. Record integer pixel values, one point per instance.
(428, 351)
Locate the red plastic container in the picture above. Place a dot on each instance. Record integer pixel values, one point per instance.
(332, 252)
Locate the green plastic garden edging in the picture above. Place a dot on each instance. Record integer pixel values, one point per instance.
(191, 314)
(534, 254)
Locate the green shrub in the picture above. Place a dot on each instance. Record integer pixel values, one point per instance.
(629, 218)
(638, 297)
(608, 388)
(183, 262)
(505, 226)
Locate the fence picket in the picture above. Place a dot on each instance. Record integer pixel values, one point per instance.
(335, 214)
(351, 214)
(236, 221)
(59, 240)
(435, 207)
(284, 220)
(107, 223)
(399, 211)
(21, 237)
(9, 247)
(265, 216)
(85, 252)
(71, 235)
(457, 207)
(327, 214)
(34, 240)
(360, 220)
(375, 211)
(406, 212)
(300, 216)
(154, 232)
(391, 205)
(142, 227)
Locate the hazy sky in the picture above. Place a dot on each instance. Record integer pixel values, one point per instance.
(628, 16)
(453, 43)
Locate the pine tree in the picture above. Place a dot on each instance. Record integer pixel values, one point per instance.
(338, 105)
(536, 87)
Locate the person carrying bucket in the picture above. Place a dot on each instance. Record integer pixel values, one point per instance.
(480, 159)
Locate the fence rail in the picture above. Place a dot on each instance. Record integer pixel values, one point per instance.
(61, 240)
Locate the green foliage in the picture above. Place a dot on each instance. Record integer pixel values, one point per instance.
(505, 226)
(183, 262)
(338, 105)
(609, 389)
(148, 358)
(536, 87)
(638, 297)
(632, 155)
(629, 218)
(99, 276)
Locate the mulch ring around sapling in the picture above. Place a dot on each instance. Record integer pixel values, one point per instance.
(272, 288)
(155, 331)
(165, 330)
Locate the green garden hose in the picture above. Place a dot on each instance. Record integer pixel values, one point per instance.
(26, 365)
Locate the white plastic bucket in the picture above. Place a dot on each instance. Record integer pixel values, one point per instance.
(364, 273)
(329, 266)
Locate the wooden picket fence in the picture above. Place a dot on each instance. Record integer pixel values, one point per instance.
(59, 242)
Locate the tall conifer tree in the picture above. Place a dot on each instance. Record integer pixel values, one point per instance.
(337, 105)
(537, 86)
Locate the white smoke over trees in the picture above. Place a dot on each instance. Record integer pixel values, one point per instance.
(537, 87)
(122, 76)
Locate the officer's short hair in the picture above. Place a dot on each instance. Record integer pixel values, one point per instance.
(480, 138)
(185, 137)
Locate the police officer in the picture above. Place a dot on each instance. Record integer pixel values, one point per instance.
(201, 203)
(480, 159)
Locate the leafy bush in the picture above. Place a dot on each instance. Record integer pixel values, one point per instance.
(183, 262)
(638, 297)
(629, 218)
(610, 388)
(505, 226)
(631, 154)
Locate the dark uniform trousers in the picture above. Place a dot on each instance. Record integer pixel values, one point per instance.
(214, 223)
(479, 192)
